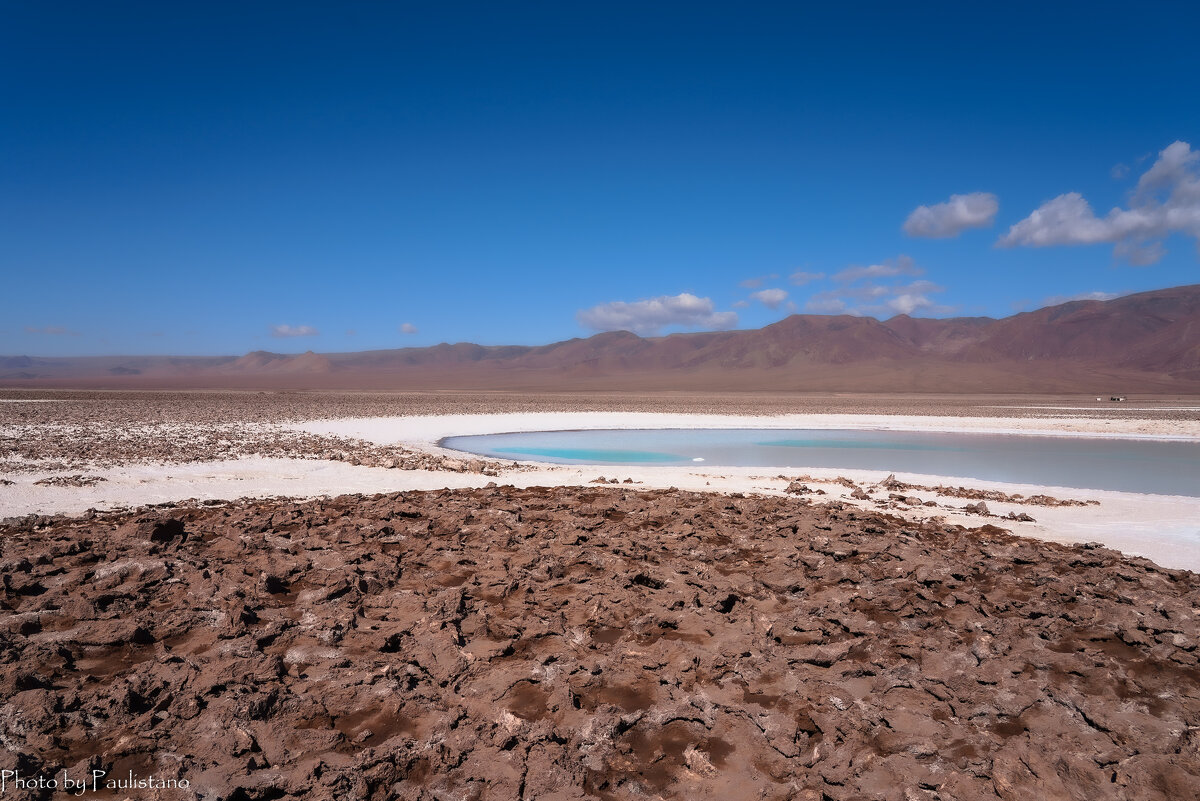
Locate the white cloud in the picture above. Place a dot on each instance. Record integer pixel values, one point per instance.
(914, 298)
(863, 291)
(1172, 167)
(800, 277)
(890, 301)
(960, 212)
(648, 317)
(909, 303)
(1165, 201)
(771, 298)
(901, 265)
(1066, 220)
(283, 331)
(408, 328)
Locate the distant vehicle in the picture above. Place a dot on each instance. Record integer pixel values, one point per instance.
(1117, 398)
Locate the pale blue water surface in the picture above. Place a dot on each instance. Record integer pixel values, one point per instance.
(1129, 465)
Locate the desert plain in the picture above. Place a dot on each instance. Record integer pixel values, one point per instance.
(301, 594)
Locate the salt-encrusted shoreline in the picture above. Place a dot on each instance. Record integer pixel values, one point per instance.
(1160, 527)
(429, 430)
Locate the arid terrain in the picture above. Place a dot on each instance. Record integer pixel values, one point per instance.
(599, 402)
(824, 639)
(592, 643)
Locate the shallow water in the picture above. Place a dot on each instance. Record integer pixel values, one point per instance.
(1163, 467)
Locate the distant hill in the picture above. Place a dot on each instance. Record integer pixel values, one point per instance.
(1148, 342)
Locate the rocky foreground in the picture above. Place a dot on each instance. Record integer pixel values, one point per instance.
(562, 643)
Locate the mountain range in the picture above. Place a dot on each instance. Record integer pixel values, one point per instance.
(1147, 342)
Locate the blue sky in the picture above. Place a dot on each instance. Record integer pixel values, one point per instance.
(197, 178)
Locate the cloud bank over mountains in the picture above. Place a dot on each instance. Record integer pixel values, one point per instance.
(651, 316)
(873, 291)
(288, 331)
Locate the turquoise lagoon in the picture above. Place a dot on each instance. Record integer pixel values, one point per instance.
(1167, 467)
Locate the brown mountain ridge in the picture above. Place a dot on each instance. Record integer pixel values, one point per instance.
(1147, 342)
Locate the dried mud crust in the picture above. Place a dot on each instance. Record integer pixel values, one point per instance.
(596, 642)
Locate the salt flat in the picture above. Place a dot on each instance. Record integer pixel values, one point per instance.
(426, 430)
(1161, 527)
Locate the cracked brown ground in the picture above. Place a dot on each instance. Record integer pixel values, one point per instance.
(598, 642)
